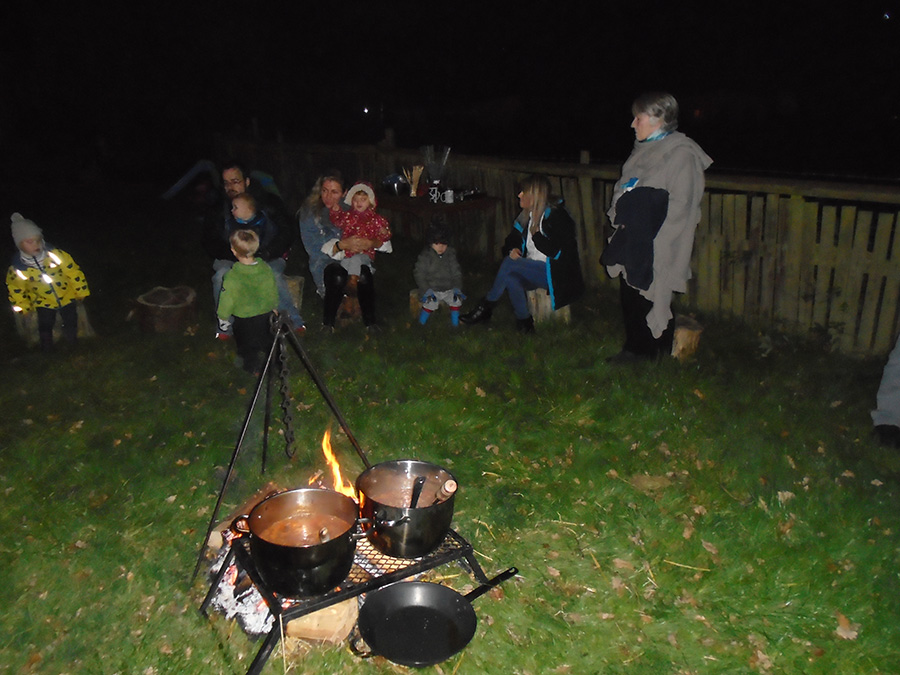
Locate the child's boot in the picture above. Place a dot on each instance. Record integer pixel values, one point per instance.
(423, 316)
(454, 316)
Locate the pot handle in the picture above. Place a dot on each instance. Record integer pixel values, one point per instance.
(241, 525)
(490, 583)
(381, 522)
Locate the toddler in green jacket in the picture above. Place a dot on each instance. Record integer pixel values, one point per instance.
(249, 297)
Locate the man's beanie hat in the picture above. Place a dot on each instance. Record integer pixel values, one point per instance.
(22, 228)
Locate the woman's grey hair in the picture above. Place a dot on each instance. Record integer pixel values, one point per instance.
(660, 105)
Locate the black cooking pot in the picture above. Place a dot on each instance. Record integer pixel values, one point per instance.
(393, 524)
(302, 541)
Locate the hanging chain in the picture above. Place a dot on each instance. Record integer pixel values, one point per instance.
(287, 417)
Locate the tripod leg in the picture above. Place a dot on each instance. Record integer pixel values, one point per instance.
(234, 455)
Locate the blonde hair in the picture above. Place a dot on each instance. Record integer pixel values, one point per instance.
(244, 242)
(247, 198)
(539, 187)
(314, 201)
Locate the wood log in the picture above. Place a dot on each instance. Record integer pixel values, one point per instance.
(541, 309)
(331, 624)
(687, 337)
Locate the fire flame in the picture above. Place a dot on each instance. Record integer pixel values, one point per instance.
(339, 484)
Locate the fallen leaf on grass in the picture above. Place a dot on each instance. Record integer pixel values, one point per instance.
(877, 483)
(618, 585)
(492, 448)
(75, 427)
(784, 496)
(688, 531)
(170, 499)
(620, 564)
(480, 392)
(845, 629)
(606, 616)
(650, 483)
(699, 394)
(182, 462)
(710, 547)
(552, 571)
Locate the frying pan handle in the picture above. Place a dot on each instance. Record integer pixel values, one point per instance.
(490, 583)
(358, 645)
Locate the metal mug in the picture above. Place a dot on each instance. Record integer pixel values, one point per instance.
(447, 197)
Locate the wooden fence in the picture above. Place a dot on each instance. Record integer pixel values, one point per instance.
(797, 256)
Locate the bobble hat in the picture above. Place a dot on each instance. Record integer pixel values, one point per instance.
(22, 228)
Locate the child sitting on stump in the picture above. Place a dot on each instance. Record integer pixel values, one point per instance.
(438, 275)
(250, 295)
(44, 279)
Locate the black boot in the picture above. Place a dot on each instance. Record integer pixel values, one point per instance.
(335, 281)
(365, 293)
(525, 325)
(481, 313)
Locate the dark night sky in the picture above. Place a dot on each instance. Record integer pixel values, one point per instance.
(789, 86)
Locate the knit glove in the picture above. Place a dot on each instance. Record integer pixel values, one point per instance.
(458, 295)
(429, 295)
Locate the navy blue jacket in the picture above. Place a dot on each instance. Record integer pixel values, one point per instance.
(556, 240)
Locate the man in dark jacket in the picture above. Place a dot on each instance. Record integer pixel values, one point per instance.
(278, 237)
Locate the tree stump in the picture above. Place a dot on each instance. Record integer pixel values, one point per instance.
(541, 308)
(295, 286)
(349, 311)
(27, 326)
(165, 310)
(687, 337)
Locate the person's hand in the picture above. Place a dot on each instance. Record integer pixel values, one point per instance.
(355, 244)
(515, 254)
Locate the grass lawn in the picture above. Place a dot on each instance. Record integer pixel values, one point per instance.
(727, 515)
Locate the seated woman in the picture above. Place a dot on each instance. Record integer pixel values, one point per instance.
(316, 227)
(326, 248)
(541, 251)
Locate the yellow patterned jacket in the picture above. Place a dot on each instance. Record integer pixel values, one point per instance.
(58, 282)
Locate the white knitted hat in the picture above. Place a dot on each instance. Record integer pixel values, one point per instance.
(22, 228)
(362, 186)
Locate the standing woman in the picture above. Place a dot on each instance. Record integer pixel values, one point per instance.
(541, 251)
(655, 210)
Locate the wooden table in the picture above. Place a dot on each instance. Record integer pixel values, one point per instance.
(471, 223)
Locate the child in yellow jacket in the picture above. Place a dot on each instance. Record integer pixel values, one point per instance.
(44, 279)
